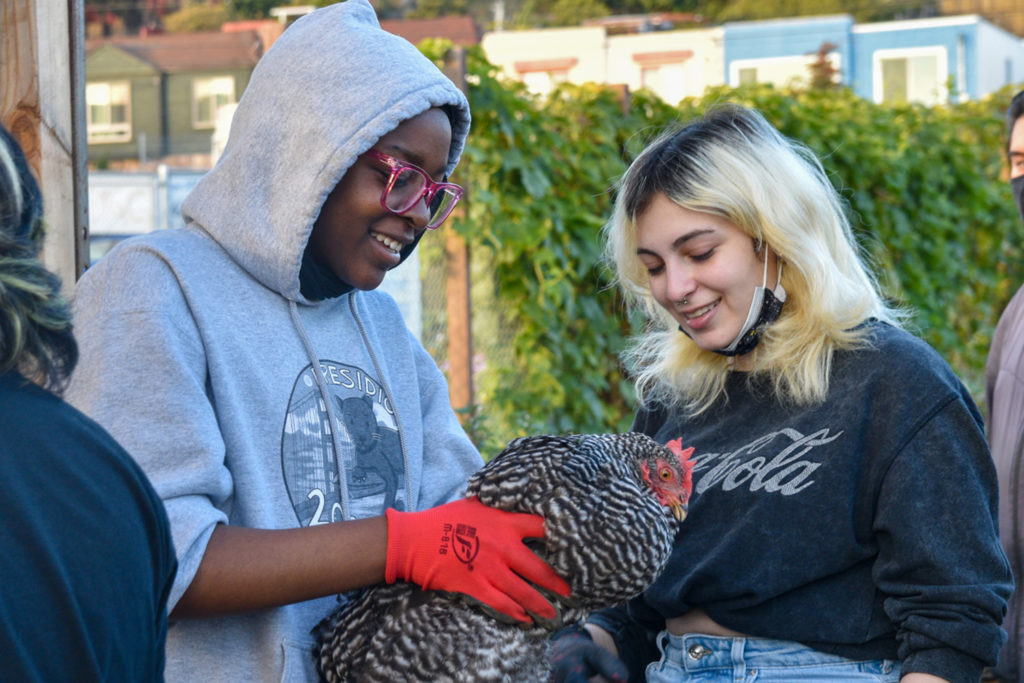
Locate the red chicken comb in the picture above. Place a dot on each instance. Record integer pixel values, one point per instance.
(686, 463)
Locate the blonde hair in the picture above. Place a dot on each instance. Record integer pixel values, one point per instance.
(734, 164)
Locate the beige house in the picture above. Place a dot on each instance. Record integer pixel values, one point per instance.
(672, 64)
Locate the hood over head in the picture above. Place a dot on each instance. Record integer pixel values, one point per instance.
(325, 92)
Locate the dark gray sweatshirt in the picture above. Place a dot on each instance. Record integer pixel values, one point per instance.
(864, 526)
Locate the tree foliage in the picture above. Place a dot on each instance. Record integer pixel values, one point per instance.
(824, 75)
(430, 9)
(540, 13)
(567, 12)
(527, 13)
(199, 17)
(925, 188)
(251, 9)
(745, 10)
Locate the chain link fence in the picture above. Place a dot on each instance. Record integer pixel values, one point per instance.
(491, 326)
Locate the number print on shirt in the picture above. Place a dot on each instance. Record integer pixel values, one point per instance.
(371, 450)
(773, 463)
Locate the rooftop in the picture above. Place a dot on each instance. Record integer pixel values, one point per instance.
(171, 52)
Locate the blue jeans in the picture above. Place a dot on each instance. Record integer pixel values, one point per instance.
(712, 659)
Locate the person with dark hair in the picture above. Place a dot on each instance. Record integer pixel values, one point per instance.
(225, 356)
(86, 560)
(842, 525)
(1004, 398)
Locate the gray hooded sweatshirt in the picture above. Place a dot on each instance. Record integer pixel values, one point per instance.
(245, 402)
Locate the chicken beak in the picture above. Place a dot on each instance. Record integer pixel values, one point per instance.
(679, 510)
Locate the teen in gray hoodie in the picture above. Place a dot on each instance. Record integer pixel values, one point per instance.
(277, 403)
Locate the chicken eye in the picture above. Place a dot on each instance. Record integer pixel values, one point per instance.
(665, 474)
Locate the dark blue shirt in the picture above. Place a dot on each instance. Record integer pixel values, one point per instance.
(86, 559)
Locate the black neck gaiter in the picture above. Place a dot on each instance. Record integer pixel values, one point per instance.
(1017, 186)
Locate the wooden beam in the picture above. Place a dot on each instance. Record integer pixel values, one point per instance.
(42, 85)
(460, 336)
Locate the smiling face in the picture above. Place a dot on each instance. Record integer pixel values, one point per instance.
(702, 268)
(354, 235)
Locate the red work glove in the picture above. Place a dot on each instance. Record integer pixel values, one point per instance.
(468, 547)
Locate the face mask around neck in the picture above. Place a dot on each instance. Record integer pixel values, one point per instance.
(1017, 186)
(765, 307)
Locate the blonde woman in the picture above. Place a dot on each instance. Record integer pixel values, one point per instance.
(843, 522)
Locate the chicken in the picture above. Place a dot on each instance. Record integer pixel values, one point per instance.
(611, 503)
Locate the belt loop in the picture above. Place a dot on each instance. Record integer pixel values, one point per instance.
(662, 642)
(738, 651)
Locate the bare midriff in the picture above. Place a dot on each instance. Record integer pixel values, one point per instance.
(697, 621)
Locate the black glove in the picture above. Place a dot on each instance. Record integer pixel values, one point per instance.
(575, 657)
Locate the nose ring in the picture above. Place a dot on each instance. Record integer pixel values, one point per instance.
(686, 301)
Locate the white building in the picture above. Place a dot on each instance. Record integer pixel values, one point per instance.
(672, 64)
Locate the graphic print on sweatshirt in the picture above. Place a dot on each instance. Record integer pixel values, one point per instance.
(371, 451)
(781, 462)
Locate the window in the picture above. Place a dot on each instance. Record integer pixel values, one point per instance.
(543, 75)
(109, 112)
(208, 95)
(538, 82)
(664, 72)
(782, 72)
(910, 75)
(650, 77)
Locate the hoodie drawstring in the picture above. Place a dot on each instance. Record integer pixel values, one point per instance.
(326, 399)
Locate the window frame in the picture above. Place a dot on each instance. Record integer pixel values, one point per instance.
(938, 52)
(211, 81)
(799, 65)
(105, 133)
(541, 76)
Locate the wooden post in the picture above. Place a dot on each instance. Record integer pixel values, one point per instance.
(460, 338)
(42, 86)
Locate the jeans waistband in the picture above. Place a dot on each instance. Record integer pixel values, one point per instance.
(696, 652)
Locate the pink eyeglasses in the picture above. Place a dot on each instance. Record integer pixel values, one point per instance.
(408, 184)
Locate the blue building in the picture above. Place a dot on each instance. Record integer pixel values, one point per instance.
(934, 60)
(780, 51)
(930, 61)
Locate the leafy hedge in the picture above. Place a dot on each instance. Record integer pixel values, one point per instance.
(925, 186)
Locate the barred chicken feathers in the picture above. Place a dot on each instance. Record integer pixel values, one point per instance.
(611, 504)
